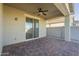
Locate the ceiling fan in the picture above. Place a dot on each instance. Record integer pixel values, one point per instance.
(40, 11)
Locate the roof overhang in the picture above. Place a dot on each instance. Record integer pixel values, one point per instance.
(65, 8)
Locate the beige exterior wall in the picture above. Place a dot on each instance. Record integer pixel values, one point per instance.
(14, 31)
(1, 28)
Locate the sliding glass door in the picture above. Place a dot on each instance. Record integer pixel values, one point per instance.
(31, 28)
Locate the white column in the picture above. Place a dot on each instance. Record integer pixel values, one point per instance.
(68, 24)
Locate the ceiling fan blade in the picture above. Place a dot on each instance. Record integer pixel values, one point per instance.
(44, 13)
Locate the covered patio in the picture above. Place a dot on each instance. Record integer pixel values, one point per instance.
(24, 29)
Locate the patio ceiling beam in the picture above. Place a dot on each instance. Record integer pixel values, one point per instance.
(63, 8)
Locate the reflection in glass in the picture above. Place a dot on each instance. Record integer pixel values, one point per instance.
(29, 28)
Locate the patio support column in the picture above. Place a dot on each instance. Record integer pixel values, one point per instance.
(68, 23)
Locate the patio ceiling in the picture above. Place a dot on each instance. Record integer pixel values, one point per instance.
(31, 8)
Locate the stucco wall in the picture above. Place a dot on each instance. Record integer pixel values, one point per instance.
(14, 31)
(1, 26)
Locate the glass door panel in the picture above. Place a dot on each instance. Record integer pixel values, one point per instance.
(36, 28)
(29, 28)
